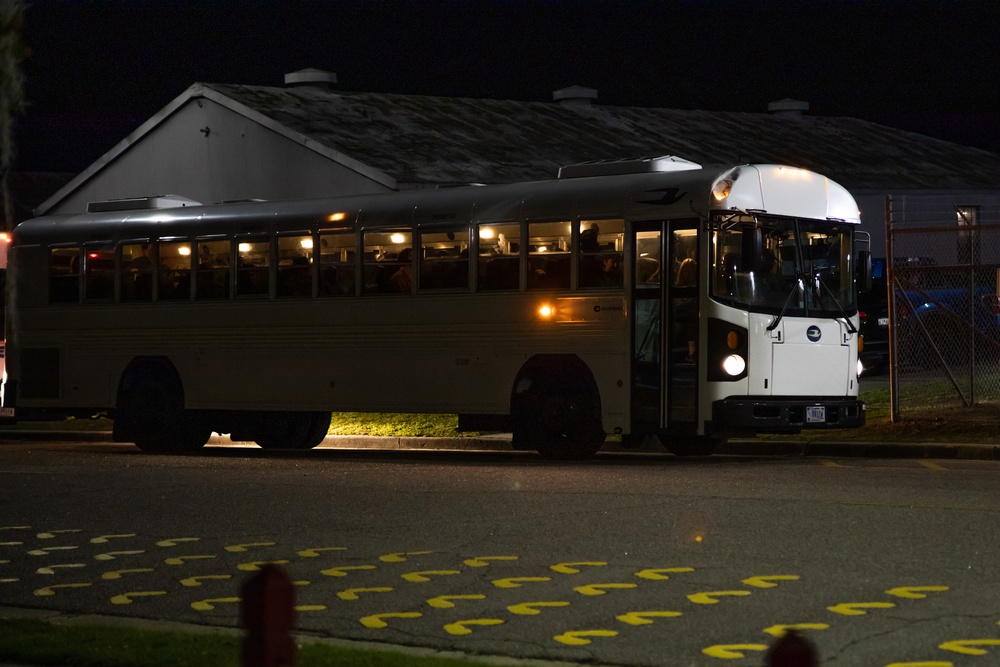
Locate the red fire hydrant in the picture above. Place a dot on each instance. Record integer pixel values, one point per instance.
(267, 611)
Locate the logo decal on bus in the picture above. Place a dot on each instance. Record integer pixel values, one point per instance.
(814, 333)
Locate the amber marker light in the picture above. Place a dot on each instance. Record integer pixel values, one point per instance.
(732, 340)
(336, 217)
(546, 311)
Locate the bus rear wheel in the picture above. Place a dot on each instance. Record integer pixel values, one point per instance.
(154, 415)
(558, 424)
(293, 430)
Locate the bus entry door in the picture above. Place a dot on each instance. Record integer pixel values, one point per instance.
(664, 304)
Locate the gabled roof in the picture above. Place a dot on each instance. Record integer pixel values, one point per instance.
(401, 140)
(418, 139)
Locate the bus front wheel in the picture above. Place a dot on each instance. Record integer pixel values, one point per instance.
(293, 430)
(558, 424)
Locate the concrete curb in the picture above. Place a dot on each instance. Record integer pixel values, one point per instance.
(501, 442)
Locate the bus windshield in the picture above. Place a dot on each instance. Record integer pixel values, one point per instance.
(791, 265)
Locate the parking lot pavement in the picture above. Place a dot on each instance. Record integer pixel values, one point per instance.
(502, 442)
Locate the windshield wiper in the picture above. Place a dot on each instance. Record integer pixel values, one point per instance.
(850, 326)
(797, 286)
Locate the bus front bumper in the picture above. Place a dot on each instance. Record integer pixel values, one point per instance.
(785, 414)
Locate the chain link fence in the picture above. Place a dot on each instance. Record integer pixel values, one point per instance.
(943, 304)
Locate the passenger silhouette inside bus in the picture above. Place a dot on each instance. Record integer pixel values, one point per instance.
(402, 280)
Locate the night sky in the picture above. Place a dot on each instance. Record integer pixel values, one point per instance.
(97, 70)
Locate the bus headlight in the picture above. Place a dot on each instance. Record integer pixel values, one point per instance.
(734, 364)
(728, 351)
(861, 368)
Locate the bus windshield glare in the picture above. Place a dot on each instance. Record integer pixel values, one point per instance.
(791, 265)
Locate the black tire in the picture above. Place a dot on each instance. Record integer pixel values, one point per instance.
(152, 409)
(293, 430)
(559, 423)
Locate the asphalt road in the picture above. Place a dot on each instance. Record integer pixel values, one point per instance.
(628, 559)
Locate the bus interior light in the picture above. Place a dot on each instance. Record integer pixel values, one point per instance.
(734, 364)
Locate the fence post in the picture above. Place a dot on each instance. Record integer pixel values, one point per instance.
(890, 285)
(791, 650)
(267, 611)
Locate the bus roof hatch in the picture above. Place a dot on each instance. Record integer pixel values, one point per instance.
(642, 165)
(138, 203)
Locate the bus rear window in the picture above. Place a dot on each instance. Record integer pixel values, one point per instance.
(64, 275)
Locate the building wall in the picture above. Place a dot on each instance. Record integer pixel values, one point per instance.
(922, 208)
(209, 153)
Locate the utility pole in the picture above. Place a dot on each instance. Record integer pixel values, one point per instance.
(12, 52)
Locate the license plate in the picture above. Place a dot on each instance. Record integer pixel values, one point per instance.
(6, 412)
(816, 413)
(883, 321)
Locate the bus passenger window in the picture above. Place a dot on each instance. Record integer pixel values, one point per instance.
(337, 268)
(64, 275)
(99, 274)
(647, 259)
(252, 268)
(175, 271)
(499, 262)
(601, 244)
(444, 260)
(295, 266)
(135, 282)
(548, 255)
(213, 269)
(388, 262)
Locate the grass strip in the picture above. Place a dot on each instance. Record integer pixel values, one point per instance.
(38, 642)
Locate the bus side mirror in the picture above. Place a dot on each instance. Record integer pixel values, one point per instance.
(864, 271)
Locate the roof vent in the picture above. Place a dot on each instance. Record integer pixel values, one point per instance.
(642, 165)
(316, 78)
(574, 96)
(140, 203)
(788, 108)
